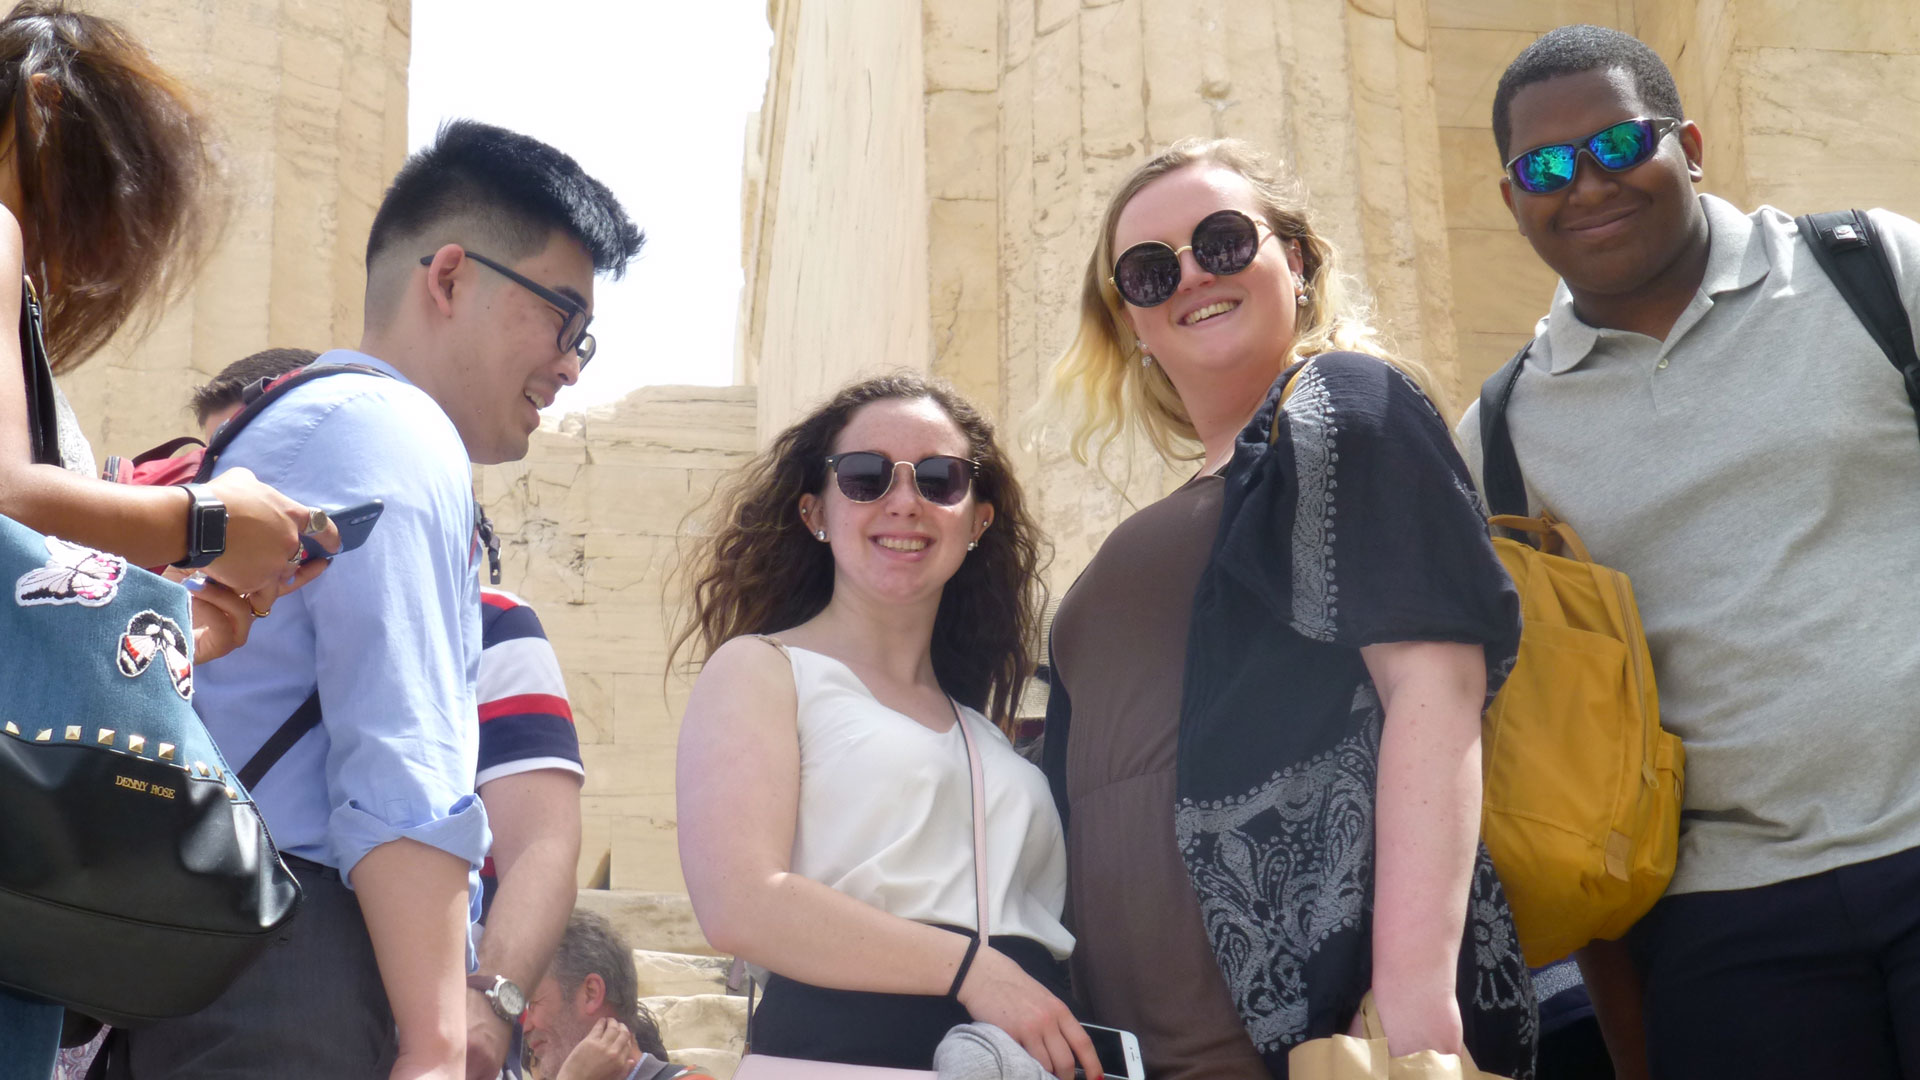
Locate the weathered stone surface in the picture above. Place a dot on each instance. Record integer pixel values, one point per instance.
(709, 1021)
(961, 39)
(672, 974)
(1505, 285)
(1536, 16)
(661, 922)
(1827, 130)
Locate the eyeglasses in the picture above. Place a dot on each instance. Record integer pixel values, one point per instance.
(867, 475)
(1546, 169)
(573, 336)
(1224, 242)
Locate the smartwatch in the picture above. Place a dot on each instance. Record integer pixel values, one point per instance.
(507, 999)
(206, 527)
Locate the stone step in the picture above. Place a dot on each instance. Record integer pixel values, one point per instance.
(660, 922)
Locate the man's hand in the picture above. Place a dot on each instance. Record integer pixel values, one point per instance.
(607, 1053)
(488, 1037)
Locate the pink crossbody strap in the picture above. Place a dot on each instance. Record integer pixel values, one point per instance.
(977, 773)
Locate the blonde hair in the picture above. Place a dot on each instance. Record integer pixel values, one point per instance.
(1100, 379)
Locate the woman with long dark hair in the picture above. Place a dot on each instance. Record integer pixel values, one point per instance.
(104, 180)
(1268, 685)
(870, 588)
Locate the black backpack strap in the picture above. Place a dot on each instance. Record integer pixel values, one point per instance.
(1848, 247)
(43, 419)
(1500, 477)
(263, 393)
(304, 719)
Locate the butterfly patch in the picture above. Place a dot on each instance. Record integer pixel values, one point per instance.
(73, 575)
(149, 635)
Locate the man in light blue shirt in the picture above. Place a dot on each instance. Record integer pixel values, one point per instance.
(480, 281)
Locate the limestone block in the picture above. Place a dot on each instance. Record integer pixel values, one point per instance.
(590, 695)
(1051, 15)
(596, 848)
(1534, 16)
(962, 128)
(646, 855)
(1056, 130)
(647, 711)
(1113, 116)
(1016, 35)
(1480, 356)
(1470, 171)
(1501, 286)
(1324, 155)
(1466, 68)
(719, 1064)
(630, 771)
(714, 1021)
(965, 296)
(1255, 107)
(1825, 130)
(960, 39)
(1858, 26)
(660, 921)
(647, 501)
(672, 974)
(1180, 40)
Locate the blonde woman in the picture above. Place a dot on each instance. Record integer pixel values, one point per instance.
(1264, 731)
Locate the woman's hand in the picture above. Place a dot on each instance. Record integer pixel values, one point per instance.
(998, 992)
(222, 618)
(1416, 1021)
(263, 532)
(607, 1053)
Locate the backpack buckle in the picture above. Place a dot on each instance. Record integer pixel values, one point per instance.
(1847, 236)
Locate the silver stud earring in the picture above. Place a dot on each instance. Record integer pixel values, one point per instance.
(820, 535)
(1146, 358)
(971, 544)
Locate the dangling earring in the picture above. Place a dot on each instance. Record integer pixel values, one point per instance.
(820, 535)
(1301, 294)
(1146, 358)
(971, 544)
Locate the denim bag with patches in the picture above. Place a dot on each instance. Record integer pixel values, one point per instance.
(136, 877)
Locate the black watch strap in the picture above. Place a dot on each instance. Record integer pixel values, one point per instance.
(206, 527)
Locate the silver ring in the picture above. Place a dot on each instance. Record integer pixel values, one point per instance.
(316, 521)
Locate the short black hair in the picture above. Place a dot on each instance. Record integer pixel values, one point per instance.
(1570, 50)
(513, 187)
(226, 388)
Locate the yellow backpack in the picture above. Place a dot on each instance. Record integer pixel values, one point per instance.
(1581, 811)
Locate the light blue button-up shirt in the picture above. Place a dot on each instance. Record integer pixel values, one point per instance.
(390, 633)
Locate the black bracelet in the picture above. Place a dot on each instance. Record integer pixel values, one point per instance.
(966, 963)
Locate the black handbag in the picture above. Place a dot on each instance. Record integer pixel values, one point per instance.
(137, 879)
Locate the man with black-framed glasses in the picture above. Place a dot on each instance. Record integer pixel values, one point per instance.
(1705, 407)
(373, 806)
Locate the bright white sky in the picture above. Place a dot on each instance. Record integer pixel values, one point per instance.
(651, 97)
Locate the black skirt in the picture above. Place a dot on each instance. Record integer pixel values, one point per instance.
(858, 1027)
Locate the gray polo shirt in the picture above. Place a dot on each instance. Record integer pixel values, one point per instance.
(1757, 476)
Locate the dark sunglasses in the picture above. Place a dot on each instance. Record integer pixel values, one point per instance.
(867, 475)
(573, 337)
(1622, 146)
(1225, 242)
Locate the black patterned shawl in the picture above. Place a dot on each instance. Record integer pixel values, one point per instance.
(1359, 525)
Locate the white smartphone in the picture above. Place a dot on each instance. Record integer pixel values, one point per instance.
(1119, 1053)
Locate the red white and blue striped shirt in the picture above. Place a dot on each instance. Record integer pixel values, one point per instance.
(526, 722)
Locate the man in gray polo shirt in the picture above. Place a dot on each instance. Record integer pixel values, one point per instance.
(1704, 408)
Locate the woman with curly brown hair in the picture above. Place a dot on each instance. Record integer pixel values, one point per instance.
(872, 587)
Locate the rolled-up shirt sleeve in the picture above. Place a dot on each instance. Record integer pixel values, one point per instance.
(396, 640)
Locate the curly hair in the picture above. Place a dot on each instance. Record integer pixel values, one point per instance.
(762, 572)
(116, 177)
(1099, 379)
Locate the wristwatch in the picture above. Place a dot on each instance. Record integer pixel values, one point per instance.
(507, 999)
(206, 527)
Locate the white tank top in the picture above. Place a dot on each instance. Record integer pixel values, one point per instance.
(886, 812)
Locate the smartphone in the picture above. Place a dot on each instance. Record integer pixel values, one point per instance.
(1119, 1053)
(355, 522)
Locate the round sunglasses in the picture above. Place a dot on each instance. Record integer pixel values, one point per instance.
(1616, 148)
(1225, 242)
(866, 476)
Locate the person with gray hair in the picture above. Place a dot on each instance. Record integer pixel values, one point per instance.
(585, 1020)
